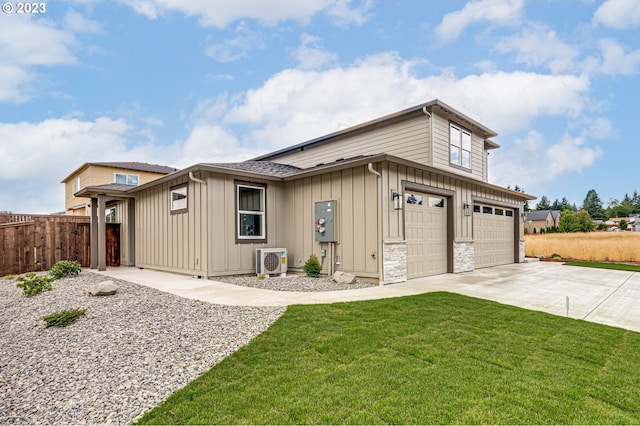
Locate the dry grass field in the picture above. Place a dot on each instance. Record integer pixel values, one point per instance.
(592, 246)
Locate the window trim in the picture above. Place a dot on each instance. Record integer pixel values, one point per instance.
(178, 210)
(127, 177)
(459, 146)
(248, 239)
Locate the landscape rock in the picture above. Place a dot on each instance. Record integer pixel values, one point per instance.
(105, 288)
(344, 277)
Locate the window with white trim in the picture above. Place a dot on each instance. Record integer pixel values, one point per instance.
(126, 179)
(460, 146)
(178, 196)
(250, 212)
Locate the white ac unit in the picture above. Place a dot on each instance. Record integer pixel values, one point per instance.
(271, 261)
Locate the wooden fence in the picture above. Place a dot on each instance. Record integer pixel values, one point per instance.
(37, 242)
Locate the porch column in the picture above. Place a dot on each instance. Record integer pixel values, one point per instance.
(94, 234)
(102, 233)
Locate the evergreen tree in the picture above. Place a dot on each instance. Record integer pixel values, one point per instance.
(543, 204)
(593, 205)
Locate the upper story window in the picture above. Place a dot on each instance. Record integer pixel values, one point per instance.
(126, 179)
(250, 212)
(460, 146)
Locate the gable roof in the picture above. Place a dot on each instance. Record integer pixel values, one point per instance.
(387, 119)
(131, 165)
(542, 214)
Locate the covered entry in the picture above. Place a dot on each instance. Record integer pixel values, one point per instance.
(426, 234)
(493, 235)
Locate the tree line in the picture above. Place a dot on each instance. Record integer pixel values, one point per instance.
(574, 219)
(593, 205)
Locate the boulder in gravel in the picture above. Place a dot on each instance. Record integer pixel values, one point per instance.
(105, 288)
(344, 277)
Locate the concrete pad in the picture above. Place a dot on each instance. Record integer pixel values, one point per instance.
(598, 295)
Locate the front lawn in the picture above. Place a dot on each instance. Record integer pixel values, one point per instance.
(436, 358)
(606, 265)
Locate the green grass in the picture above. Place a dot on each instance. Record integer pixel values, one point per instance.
(606, 265)
(437, 358)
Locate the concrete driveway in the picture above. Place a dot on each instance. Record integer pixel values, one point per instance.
(597, 295)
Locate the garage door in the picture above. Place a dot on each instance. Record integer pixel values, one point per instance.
(426, 234)
(493, 235)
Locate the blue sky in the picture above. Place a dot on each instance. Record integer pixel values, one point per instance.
(178, 82)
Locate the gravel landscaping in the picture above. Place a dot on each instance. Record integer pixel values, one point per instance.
(127, 354)
(292, 283)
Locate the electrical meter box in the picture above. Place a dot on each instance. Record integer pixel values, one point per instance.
(324, 221)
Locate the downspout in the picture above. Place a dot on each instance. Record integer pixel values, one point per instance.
(430, 148)
(379, 222)
(204, 255)
(193, 178)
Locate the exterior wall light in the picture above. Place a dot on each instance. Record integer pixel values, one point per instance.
(397, 199)
(466, 209)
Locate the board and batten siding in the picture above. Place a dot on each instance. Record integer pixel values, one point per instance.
(225, 255)
(395, 175)
(441, 147)
(408, 139)
(171, 242)
(355, 191)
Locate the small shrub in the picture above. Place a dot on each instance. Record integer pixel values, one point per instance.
(312, 268)
(556, 256)
(262, 276)
(63, 318)
(32, 284)
(9, 277)
(65, 268)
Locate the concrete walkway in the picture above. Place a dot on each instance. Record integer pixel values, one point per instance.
(597, 295)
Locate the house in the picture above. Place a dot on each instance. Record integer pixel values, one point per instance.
(634, 222)
(115, 176)
(537, 220)
(615, 222)
(92, 174)
(399, 197)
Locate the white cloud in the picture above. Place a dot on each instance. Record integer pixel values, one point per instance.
(538, 45)
(222, 13)
(613, 59)
(310, 54)
(23, 49)
(618, 14)
(45, 152)
(295, 105)
(532, 161)
(496, 12)
(77, 23)
(236, 48)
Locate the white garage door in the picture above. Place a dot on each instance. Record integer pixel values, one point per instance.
(493, 235)
(426, 234)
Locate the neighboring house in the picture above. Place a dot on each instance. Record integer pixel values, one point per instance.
(118, 176)
(536, 220)
(119, 173)
(614, 223)
(400, 197)
(634, 222)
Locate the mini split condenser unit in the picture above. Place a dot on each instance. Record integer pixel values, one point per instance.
(271, 261)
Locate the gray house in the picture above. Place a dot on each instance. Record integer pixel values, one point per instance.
(399, 197)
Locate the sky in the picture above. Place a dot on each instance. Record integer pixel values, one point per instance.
(180, 82)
